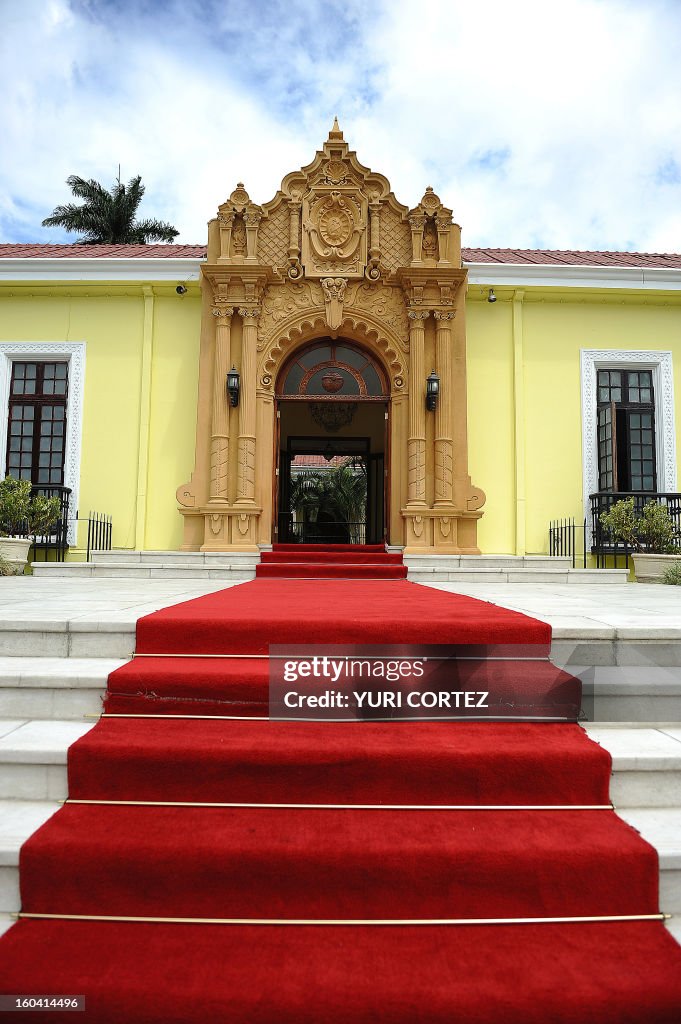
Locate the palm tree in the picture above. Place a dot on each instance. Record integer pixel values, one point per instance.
(336, 499)
(108, 216)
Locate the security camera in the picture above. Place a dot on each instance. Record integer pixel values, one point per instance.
(181, 290)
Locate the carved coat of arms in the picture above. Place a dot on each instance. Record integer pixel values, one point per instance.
(334, 233)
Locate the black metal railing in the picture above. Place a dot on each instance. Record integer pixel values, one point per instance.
(54, 542)
(603, 546)
(567, 539)
(99, 528)
(327, 532)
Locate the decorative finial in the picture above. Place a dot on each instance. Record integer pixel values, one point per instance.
(335, 132)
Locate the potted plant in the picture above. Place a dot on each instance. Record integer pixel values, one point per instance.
(651, 534)
(23, 515)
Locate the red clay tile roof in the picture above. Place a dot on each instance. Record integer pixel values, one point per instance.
(540, 257)
(570, 257)
(76, 251)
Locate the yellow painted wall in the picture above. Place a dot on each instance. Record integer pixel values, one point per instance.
(110, 320)
(555, 327)
(489, 359)
(174, 385)
(138, 434)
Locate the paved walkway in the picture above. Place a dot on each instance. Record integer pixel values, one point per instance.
(630, 610)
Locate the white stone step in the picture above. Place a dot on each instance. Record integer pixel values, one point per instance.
(646, 761)
(141, 571)
(630, 693)
(19, 819)
(451, 562)
(198, 559)
(33, 758)
(522, 574)
(59, 688)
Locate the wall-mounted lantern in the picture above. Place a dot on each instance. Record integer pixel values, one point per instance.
(233, 386)
(432, 391)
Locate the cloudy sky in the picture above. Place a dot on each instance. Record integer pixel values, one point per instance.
(543, 123)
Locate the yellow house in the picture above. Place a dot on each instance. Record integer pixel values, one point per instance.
(485, 392)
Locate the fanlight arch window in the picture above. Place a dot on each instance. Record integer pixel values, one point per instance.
(332, 369)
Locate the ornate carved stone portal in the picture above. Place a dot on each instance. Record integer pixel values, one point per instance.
(333, 254)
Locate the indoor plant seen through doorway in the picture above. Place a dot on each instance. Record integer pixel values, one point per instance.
(23, 515)
(650, 532)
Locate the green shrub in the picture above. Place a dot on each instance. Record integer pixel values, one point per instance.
(651, 530)
(22, 515)
(672, 575)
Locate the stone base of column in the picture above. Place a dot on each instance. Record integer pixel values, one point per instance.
(440, 531)
(222, 528)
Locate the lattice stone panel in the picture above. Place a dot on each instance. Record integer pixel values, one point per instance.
(273, 238)
(395, 240)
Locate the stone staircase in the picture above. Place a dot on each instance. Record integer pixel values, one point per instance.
(235, 566)
(53, 675)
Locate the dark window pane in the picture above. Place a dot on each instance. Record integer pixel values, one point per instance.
(615, 377)
(616, 394)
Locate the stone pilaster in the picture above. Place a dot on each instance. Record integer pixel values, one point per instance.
(247, 408)
(219, 441)
(252, 218)
(444, 455)
(416, 442)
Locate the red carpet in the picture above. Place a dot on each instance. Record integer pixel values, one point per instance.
(336, 863)
(337, 561)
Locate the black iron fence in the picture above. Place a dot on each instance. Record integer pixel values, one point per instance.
(99, 527)
(567, 539)
(326, 532)
(53, 544)
(604, 547)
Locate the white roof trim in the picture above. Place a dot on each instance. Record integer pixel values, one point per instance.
(542, 275)
(30, 269)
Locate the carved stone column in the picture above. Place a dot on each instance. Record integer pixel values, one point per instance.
(373, 271)
(444, 488)
(246, 467)
(416, 443)
(417, 222)
(252, 219)
(226, 222)
(219, 441)
(294, 208)
(444, 225)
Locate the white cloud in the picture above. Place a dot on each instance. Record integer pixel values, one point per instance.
(541, 124)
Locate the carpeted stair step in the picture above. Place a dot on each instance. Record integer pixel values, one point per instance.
(331, 570)
(240, 686)
(329, 557)
(330, 548)
(250, 618)
(319, 762)
(621, 973)
(335, 864)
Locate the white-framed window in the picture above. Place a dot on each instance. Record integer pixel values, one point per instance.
(46, 370)
(637, 376)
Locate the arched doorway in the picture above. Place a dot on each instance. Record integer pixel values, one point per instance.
(331, 446)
